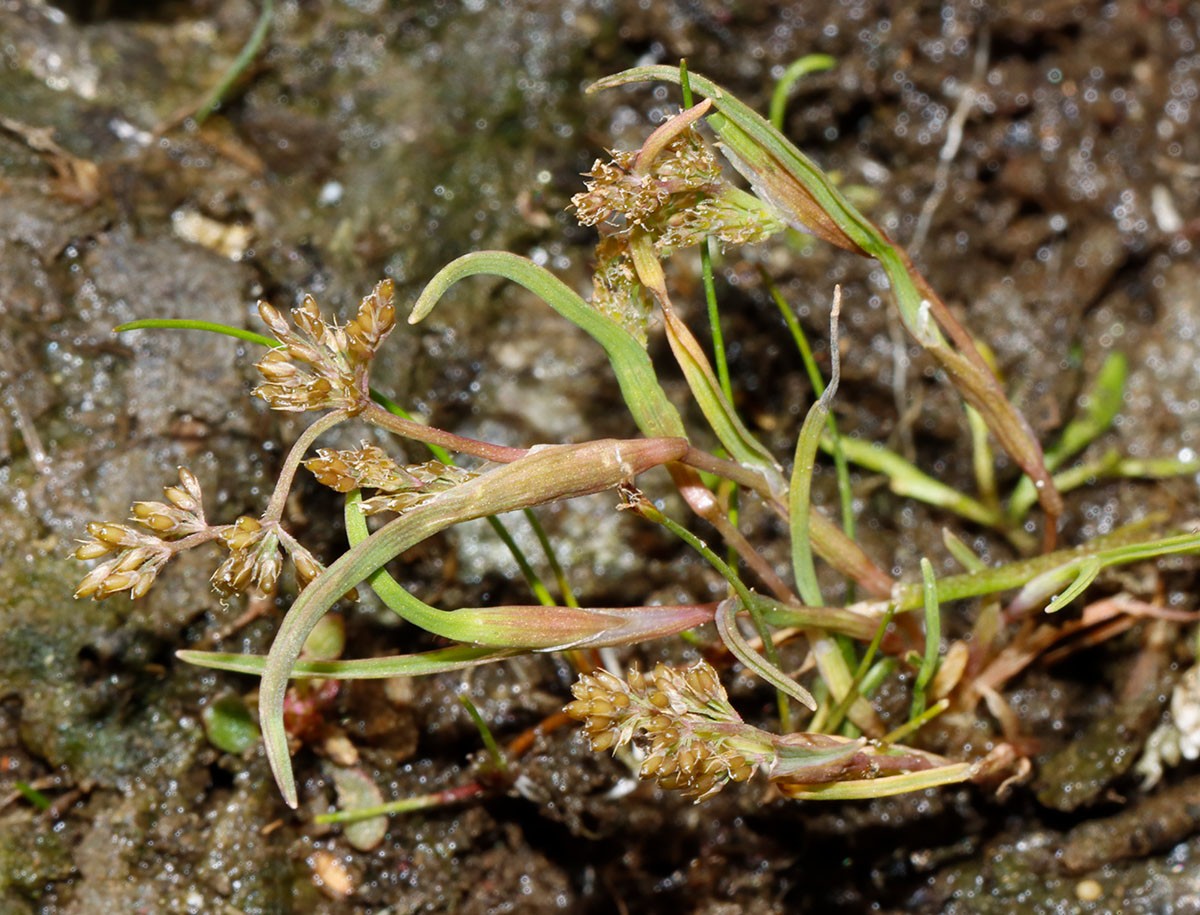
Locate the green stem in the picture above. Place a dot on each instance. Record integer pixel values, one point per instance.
(468, 792)
(933, 639)
(556, 569)
(247, 54)
(746, 598)
(714, 320)
(840, 464)
(287, 473)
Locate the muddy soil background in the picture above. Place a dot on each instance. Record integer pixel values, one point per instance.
(375, 139)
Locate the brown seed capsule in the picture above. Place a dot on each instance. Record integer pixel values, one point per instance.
(652, 765)
(155, 517)
(672, 781)
(307, 568)
(577, 709)
(92, 549)
(600, 723)
(607, 680)
(688, 758)
(703, 681)
(276, 369)
(90, 586)
(300, 352)
(182, 499)
(266, 572)
(308, 318)
(115, 534)
(132, 560)
(190, 483)
(740, 770)
(659, 724)
(601, 706)
(244, 532)
(115, 582)
(273, 319)
(603, 741)
(145, 580)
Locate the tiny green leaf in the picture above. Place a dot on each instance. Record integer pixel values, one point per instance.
(229, 726)
(357, 791)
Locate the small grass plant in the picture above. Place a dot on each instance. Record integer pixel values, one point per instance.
(670, 194)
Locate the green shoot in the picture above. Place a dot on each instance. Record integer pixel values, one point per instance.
(933, 639)
(799, 492)
(32, 795)
(241, 62)
(495, 754)
(795, 71)
(845, 493)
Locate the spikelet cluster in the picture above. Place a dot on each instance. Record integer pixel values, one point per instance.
(677, 197)
(253, 559)
(397, 488)
(322, 365)
(624, 197)
(616, 292)
(256, 560)
(139, 550)
(731, 216)
(694, 740)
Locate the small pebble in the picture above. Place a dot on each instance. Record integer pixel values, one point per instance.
(332, 876)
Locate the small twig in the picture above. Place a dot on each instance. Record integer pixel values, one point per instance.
(954, 136)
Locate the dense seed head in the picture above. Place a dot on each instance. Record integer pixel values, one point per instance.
(320, 365)
(133, 570)
(624, 193)
(368, 467)
(681, 717)
(144, 548)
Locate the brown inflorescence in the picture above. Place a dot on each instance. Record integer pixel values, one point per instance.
(324, 366)
(253, 559)
(623, 197)
(399, 488)
(694, 740)
(141, 549)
